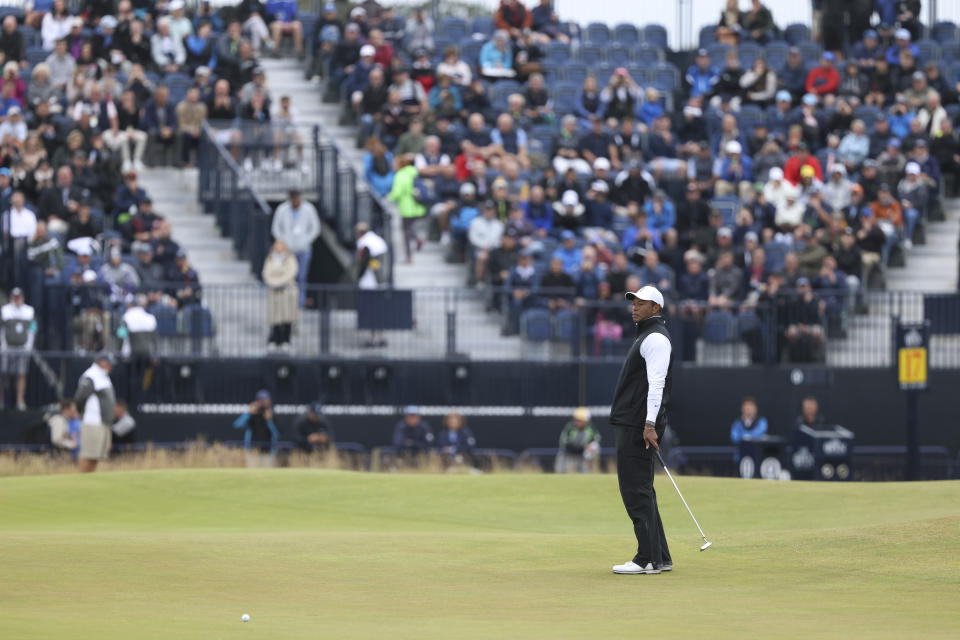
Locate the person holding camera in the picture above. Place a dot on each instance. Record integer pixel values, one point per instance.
(260, 433)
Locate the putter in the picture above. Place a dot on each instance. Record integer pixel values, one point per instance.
(706, 542)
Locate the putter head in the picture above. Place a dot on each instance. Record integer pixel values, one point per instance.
(704, 547)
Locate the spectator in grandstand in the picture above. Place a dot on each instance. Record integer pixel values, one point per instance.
(452, 65)
(853, 82)
(727, 88)
(185, 282)
(124, 427)
(200, 48)
(759, 84)
(511, 140)
(701, 76)
(914, 198)
(119, 276)
(903, 43)
(312, 430)
(95, 399)
(297, 223)
(804, 334)
(735, 171)
(345, 55)
(280, 276)
(484, 235)
(496, 57)
(61, 65)
(836, 191)
(793, 76)
(260, 434)
(189, 116)
(378, 166)
(138, 331)
(455, 440)
(64, 426)
(368, 104)
(56, 24)
(45, 252)
(159, 121)
(521, 285)
(579, 444)
(129, 195)
(726, 281)
(750, 424)
(419, 31)
(413, 434)
(18, 329)
(126, 129)
(404, 192)
(802, 158)
(557, 286)
(168, 52)
(282, 15)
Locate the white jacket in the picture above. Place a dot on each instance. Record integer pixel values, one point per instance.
(297, 232)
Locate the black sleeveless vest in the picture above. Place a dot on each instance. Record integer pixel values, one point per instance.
(629, 408)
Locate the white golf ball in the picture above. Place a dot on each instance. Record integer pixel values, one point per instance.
(245, 618)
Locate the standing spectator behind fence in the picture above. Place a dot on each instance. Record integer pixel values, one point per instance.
(260, 434)
(312, 431)
(95, 399)
(412, 434)
(280, 275)
(404, 192)
(18, 327)
(296, 223)
(579, 444)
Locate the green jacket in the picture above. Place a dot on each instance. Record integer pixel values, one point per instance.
(573, 440)
(402, 193)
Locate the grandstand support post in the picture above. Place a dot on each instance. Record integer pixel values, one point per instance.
(451, 323)
(913, 437)
(317, 170)
(324, 327)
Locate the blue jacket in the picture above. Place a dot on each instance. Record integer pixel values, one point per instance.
(541, 215)
(649, 111)
(358, 80)
(588, 284)
(729, 173)
(630, 237)
(419, 437)
(571, 258)
(665, 220)
(739, 431)
(150, 121)
(454, 442)
(243, 422)
(282, 10)
(490, 56)
(900, 124)
(701, 81)
(380, 184)
(893, 54)
(460, 220)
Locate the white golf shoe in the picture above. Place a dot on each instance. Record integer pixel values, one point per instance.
(634, 568)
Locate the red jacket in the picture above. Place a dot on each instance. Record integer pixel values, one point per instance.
(791, 170)
(822, 80)
(512, 17)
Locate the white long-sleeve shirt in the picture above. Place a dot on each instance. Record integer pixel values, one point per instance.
(655, 350)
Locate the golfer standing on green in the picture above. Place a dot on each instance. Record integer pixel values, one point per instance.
(639, 416)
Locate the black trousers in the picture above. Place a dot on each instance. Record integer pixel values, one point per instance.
(280, 333)
(635, 466)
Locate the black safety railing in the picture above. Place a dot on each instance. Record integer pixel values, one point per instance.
(244, 165)
(833, 328)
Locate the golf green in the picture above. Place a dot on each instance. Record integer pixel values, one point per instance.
(326, 554)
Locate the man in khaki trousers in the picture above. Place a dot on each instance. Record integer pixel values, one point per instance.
(95, 398)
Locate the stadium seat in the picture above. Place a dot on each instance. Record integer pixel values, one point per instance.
(665, 76)
(748, 52)
(598, 34)
(626, 34)
(575, 73)
(929, 50)
(566, 325)
(197, 321)
(36, 55)
(796, 33)
(868, 114)
(590, 55)
(482, 25)
(775, 53)
(747, 322)
(708, 36)
(656, 35)
(646, 54)
(718, 52)
(811, 52)
(557, 53)
(728, 207)
(944, 32)
(535, 325)
(619, 55)
(31, 38)
(564, 97)
(470, 52)
(949, 53)
(953, 111)
(453, 28)
(719, 326)
(750, 116)
(166, 320)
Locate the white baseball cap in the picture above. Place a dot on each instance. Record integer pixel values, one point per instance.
(733, 147)
(776, 173)
(367, 50)
(601, 163)
(600, 185)
(913, 169)
(570, 198)
(646, 293)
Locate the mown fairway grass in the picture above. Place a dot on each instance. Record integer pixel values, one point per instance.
(327, 554)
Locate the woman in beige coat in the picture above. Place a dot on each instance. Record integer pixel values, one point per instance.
(280, 275)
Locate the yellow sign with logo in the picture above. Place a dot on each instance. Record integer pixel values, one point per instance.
(913, 367)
